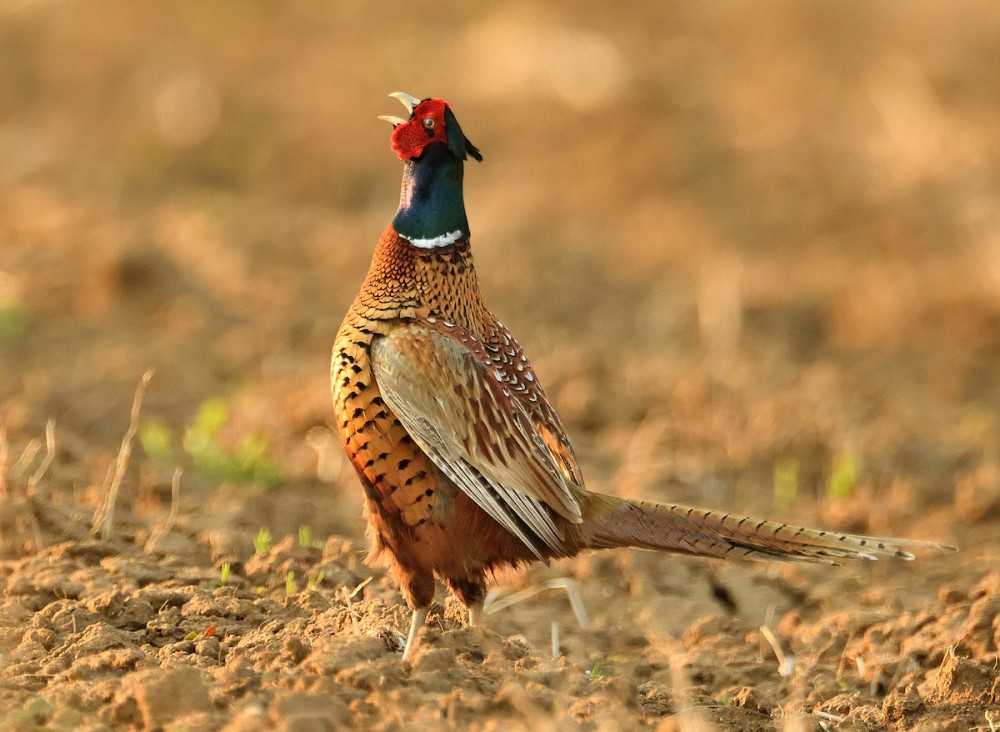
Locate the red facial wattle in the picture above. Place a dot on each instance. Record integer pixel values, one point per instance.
(426, 125)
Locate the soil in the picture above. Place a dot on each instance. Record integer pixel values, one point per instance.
(756, 271)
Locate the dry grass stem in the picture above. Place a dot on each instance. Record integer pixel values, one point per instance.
(50, 454)
(175, 501)
(495, 604)
(905, 664)
(829, 717)
(329, 456)
(786, 662)
(842, 664)
(27, 456)
(348, 599)
(104, 516)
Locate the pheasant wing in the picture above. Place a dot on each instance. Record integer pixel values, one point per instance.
(457, 408)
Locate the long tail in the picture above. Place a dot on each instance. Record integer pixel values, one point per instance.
(616, 522)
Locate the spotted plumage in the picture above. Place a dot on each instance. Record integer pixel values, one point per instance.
(466, 467)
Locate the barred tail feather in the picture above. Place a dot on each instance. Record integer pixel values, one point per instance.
(616, 522)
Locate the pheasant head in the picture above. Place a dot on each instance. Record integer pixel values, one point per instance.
(433, 149)
(430, 121)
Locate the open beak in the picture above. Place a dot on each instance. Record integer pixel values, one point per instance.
(407, 101)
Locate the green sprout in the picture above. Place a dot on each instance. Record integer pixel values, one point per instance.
(290, 587)
(157, 440)
(13, 314)
(595, 672)
(307, 538)
(247, 463)
(225, 574)
(13, 321)
(786, 482)
(262, 541)
(844, 477)
(313, 582)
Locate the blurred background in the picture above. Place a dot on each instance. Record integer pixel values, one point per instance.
(753, 250)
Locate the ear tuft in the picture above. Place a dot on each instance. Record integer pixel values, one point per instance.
(473, 151)
(460, 147)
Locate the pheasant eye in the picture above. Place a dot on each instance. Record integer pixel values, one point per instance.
(429, 123)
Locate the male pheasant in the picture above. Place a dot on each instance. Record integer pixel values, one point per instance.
(465, 465)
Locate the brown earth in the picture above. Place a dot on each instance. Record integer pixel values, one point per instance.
(754, 253)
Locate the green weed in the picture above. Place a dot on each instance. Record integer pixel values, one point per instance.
(157, 440)
(247, 463)
(786, 482)
(263, 540)
(844, 477)
(595, 672)
(314, 581)
(13, 321)
(306, 538)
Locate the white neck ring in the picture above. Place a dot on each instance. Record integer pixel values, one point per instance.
(438, 241)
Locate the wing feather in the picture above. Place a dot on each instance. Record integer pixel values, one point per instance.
(456, 407)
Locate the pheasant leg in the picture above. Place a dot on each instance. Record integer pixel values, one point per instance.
(416, 623)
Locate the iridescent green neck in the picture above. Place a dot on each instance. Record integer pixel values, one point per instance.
(431, 207)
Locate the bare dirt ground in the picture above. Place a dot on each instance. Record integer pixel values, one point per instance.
(754, 254)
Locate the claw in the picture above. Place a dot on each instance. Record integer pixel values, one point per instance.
(407, 100)
(392, 119)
